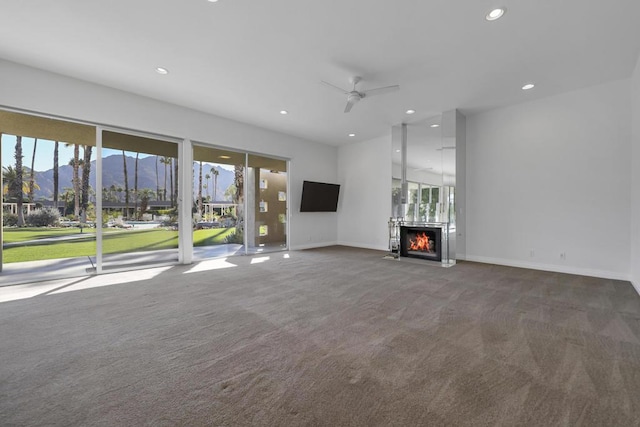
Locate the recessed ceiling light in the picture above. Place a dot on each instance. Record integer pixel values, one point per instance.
(224, 157)
(411, 111)
(435, 125)
(161, 70)
(495, 14)
(352, 134)
(528, 86)
(397, 151)
(284, 112)
(212, 1)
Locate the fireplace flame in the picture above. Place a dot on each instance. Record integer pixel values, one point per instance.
(421, 243)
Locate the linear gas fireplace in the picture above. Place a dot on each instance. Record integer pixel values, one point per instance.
(421, 242)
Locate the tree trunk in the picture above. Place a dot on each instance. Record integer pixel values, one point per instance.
(76, 180)
(18, 157)
(175, 191)
(126, 184)
(86, 173)
(171, 180)
(55, 175)
(135, 188)
(157, 181)
(215, 184)
(164, 190)
(200, 190)
(32, 174)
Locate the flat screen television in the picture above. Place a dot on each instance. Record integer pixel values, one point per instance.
(319, 197)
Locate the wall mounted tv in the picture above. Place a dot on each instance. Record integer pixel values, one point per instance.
(319, 197)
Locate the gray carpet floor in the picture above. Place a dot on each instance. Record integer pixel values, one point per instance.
(334, 336)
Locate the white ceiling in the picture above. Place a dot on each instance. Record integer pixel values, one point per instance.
(249, 59)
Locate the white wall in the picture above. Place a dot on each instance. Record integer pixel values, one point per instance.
(40, 91)
(635, 180)
(364, 172)
(552, 175)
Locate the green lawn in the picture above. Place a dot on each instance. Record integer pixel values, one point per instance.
(12, 235)
(115, 241)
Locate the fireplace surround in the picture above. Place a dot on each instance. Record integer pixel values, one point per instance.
(424, 242)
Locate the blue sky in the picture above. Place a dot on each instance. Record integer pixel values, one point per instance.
(44, 153)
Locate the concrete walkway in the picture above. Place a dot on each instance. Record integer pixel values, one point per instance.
(37, 271)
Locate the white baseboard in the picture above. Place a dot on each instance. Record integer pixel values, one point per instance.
(363, 246)
(312, 245)
(604, 274)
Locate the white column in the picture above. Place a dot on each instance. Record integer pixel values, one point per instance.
(98, 200)
(185, 190)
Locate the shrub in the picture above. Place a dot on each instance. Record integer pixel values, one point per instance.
(43, 217)
(9, 220)
(235, 237)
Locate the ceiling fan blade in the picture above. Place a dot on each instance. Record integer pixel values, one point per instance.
(381, 90)
(349, 105)
(334, 87)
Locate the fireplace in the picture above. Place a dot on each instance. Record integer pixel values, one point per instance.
(421, 242)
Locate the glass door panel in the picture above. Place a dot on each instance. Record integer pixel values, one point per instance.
(48, 198)
(139, 200)
(266, 204)
(218, 202)
(412, 205)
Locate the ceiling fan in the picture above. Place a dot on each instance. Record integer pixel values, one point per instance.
(354, 96)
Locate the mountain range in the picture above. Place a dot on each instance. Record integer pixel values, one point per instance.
(113, 174)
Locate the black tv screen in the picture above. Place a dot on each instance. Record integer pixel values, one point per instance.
(319, 197)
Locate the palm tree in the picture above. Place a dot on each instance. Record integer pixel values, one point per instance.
(200, 190)
(135, 184)
(175, 190)
(32, 174)
(75, 163)
(145, 195)
(157, 181)
(75, 181)
(9, 184)
(67, 194)
(165, 161)
(112, 193)
(238, 181)
(126, 184)
(207, 177)
(17, 189)
(55, 175)
(86, 171)
(215, 173)
(171, 179)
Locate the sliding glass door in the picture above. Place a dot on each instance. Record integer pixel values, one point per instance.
(217, 202)
(139, 184)
(48, 198)
(239, 203)
(79, 199)
(266, 204)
